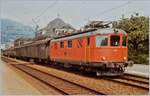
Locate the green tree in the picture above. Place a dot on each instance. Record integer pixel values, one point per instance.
(137, 28)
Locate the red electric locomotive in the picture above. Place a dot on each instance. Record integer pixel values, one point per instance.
(103, 51)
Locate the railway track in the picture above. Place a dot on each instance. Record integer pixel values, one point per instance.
(66, 87)
(63, 86)
(136, 78)
(132, 80)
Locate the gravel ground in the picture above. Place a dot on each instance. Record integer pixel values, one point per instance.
(139, 68)
(13, 84)
(105, 86)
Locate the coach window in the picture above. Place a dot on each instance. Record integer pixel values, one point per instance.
(61, 44)
(69, 43)
(115, 40)
(101, 41)
(124, 39)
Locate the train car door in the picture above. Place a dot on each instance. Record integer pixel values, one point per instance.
(87, 50)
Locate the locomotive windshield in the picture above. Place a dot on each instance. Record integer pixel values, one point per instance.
(115, 40)
(124, 40)
(101, 41)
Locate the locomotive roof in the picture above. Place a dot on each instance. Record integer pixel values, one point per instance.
(92, 32)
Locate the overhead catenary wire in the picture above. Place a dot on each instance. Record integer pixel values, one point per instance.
(38, 16)
(112, 9)
(108, 10)
(50, 6)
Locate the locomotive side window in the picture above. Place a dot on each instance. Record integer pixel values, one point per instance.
(69, 43)
(88, 41)
(115, 40)
(101, 41)
(124, 40)
(55, 45)
(61, 44)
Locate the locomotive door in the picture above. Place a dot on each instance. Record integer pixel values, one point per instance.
(87, 53)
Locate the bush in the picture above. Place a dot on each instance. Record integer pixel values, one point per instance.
(139, 58)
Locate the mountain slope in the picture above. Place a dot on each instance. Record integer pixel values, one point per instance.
(10, 30)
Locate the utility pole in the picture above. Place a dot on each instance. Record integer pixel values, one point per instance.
(37, 26)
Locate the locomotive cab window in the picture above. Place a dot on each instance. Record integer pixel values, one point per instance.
(101, 41)
(69, 43)
(61, 44)
(124, 39)
(115, 40)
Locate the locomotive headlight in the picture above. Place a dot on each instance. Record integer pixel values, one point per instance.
(124, 58)
(103, 58)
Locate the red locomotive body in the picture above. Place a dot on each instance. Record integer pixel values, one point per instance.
(103, 51)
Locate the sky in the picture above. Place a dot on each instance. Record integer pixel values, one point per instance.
(75, 12)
